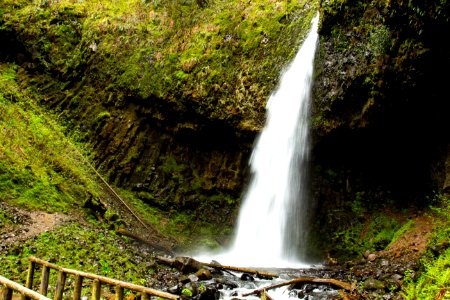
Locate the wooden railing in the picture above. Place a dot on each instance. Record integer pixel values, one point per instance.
(78, 283)
(10, 286)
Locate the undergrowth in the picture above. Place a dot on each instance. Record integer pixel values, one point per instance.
(433, 282)
(375, 232)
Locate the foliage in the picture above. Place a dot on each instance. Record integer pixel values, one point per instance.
(434, 281)
(403, 229)
(375, 233)
(379, 40)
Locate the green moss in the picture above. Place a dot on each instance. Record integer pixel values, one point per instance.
(161, 49)
(37, 160)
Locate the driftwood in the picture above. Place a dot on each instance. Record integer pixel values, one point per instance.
(259, 274)
(338, 283)
(188, 264)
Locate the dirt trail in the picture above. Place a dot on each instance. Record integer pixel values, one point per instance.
(26, 225)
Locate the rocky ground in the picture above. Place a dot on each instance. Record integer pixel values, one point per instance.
(376, 275)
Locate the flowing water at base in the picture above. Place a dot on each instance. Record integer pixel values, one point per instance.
(234, 287)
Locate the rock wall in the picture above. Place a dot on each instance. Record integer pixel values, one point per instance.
(380, 115)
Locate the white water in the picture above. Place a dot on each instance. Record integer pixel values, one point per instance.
(272, 222)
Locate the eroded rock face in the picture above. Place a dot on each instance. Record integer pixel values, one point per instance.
(378, 112)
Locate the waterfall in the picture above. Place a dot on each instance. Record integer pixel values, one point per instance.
(272, 223)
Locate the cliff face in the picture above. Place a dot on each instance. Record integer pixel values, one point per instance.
(168, 95)
(380, 119)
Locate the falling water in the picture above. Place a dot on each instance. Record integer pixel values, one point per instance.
(272, 225)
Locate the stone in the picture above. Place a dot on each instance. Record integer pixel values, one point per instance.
(203, 274)
(247, 277)
(397, 277)
(373, 284)
(371, 257)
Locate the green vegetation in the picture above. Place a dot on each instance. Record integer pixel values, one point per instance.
(191, 228)
(434, 280)
(373, 231)
(220, 59)
(43, 170)
(39, 167)
(89, 248)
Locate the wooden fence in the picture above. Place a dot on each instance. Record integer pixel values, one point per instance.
(78, 283)
(10, 286)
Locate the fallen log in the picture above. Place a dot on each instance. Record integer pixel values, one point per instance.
(335, 282)
(188, 264)
(259, 274)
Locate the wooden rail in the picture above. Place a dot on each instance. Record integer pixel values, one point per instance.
(10, 286)
(79, 276)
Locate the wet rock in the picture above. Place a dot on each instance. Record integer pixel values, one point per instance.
(396, 277)
(193, 278)
(308, 288)
(184, 279)
(373, 284)
(384, 263)
(203, 274)
(226, 282)
(174, 290)
(247, 277)
(210, 293)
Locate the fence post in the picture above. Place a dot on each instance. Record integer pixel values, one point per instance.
(96, 289)
(44, 280)
(119, 293)
(30, 276)
(6, 293)
(60, 284)
(78, 286)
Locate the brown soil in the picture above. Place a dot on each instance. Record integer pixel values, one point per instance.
(414, 242)
(27, 225)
